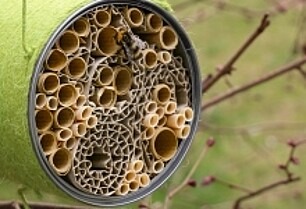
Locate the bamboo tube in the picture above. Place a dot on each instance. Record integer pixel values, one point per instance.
(154, 23)
(83, 113)
(69, 42)
(143, 180)
(149, 58)
(160, 112)
(130, 176)
(105, 97)
(187, 112)
(123, 79)
(164, 144)
(106, 42)
(181, 97)
(136, 165)
(79, 129)
(76, 67)
(183, 132)
(148, 133)
(170, 107)
(81, 27)
(102, 18)
(123, 190)
(67, 95)
(56, 60)
(70, 143)
(157, 166)
(151, 107)
(166, 38)
(61, 161)
(48, 83)
(80, 101)
(133, 16)
(134, 185)
(176, 121)
(80, 87)
(164, 57)
(43, 119)
(162, 94)
(162, 121)
(91, 122)
(105, 76)
(64, 117)
(150, 120)
(48, 142)
(40, 101)
(63, 134)
(52, 103)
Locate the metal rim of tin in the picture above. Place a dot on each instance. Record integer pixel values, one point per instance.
(191, 63)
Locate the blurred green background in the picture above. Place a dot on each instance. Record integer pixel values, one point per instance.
(251, 129)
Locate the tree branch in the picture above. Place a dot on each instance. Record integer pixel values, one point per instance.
(228, 67)
(292, 66)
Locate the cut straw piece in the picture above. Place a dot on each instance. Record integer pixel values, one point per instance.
(187, 112)
(151, 107)
(40, 101)
(64, 117)
(170, 107)
(79, 129)
(166, 38)
(164, 144)
(105, 76)
(52, 103)
(48, 83)
(183, 132)
(83, 113)
(80, 87)
(106, 42)
(63, 134)
(123, 79)
(61, 161)
(162, 121)
(92, 122)
(130, 176)
(150, 120)
(143, 180)
(176, 121)
(123, 190)
(157, 166)
(67, 95)
(164, 57)
(48, 142)
(133, 16)
(134, 185)
(76, 67)
(102, 18)
(105, 97)
(43, 119)
(149, 58)
(80, 101)
(81, 27)
(154, 23)
(148, 133)
(68, 42)
(160, 112)
(56, 60)
(162, 94)
(136, 165)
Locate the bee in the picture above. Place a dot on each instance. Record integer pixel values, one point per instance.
(123, 38)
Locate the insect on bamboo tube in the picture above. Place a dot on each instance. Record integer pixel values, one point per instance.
(164, 144)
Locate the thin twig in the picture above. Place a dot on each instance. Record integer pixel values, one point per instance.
(234, 186)
(228, 67)
(292, 66)
(288, 180)
(173, 192)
